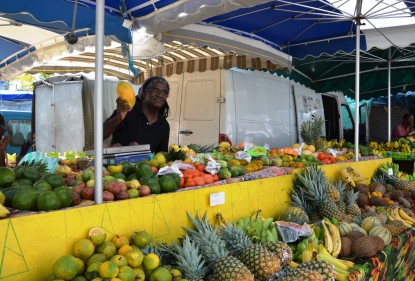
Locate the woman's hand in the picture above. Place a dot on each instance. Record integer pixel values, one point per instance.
(4, 142)
(122, 108)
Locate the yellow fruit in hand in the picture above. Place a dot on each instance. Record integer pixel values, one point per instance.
(126, 92)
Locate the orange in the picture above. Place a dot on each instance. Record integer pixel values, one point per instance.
(124, 249)
(134, 257)
(108, 269)
(97, 235)
(151, 261)
(66, 267)
(83, 248)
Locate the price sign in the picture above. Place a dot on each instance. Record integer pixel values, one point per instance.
(390, 171)
(217, 199)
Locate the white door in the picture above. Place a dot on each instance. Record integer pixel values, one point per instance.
(199, 110)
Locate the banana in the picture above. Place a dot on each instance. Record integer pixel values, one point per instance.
(340, 277)
(274, 233)
(328, 240)
(388, 212)
(356, 177)
(396, 216)
(405, 216)
(346, 177)
(333, 261)
(267, 223)
(4, 212)
(335, 234)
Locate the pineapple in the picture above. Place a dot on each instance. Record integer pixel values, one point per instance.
(202, 148)
(341, 204)
(326, 269)
(312, 130)
(282, 250)
(224, 267)
(400, 184)
(396, 227)
(173, 155)
(313, 182)
(333, 191)
(303, 275)
(263, 263)
(188, 259)
(352, 207)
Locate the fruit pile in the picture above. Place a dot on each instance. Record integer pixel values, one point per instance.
(99, 257)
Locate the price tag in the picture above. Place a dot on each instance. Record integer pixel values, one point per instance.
(390, 171)
(217, 199)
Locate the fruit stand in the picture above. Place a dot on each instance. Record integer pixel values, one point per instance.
(31, 242)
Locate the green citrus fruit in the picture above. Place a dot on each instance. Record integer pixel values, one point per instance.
(151, 261)
(141, 238)
(66, 267)
(97, 235)
(161, 274)
(83, 248)
(108, 269)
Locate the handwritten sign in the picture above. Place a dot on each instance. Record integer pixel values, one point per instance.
(217, 199)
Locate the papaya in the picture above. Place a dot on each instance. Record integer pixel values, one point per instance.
(143, 169)
(31, 174)
(176, 177)
(42, 185)
(167, 184)
(7, 176)
(126, 92)
(64, 194)
(26, 199)
(24, 181)
(152, 183)
(55, 180)
(127, 168)
(9, 192)
(48, 201)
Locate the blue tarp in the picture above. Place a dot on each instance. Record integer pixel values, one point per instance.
(7, 95)
(406, 100)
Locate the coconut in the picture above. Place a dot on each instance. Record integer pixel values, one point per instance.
(374, 185)
(364, 247)
(362, 200)
(376, 201)
(396, 194)
(363, 188)
(355, 235)
(346, 249)
(380, 244)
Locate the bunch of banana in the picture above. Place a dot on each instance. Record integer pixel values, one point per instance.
(346, 177)
(389, 167)
(331, 235)
(223, 146)
(341, 267)
(400, 215)
(260, 230)
(374, 145)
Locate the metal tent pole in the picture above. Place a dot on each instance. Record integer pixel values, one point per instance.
(389, 94)
(357, 82)
(98, 89)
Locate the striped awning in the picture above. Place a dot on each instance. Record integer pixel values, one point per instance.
(177, 59)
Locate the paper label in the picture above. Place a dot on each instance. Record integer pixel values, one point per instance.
(390, 171)
(217, 199)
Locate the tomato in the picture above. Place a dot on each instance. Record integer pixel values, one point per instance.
(181, 185)
(215, 177)
(200, 167)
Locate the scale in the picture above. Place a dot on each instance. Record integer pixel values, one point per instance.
(119, 154)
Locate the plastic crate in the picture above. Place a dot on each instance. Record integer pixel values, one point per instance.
(399, 155)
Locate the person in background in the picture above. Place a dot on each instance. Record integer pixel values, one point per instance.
(4, 141)
(403, 129)
(146, 122)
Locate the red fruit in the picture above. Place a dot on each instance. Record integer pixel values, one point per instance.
(88, 193)
(181, 182)
(79, 187)
(122, 195)
(215, 177)
(76, 199)
(201, 167)
(155, 170)
(107, 196)
(144, 190)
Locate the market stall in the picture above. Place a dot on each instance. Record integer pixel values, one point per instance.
(31, 242)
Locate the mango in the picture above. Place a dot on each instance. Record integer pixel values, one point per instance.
(126, 92)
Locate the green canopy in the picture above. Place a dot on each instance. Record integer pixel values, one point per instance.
(337, 72)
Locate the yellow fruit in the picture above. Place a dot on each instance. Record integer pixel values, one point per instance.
(139, 274)
(188, 160)
(108, 269)
(141, 238)
(66, 267)
(119, 241)
(115, 169)
(154, 163)
(161, 274)
(124, 249)
(126, 92)
(311, 148)
(160, 157)
(176, 273)
(126, 273)
(151, 261)
(296, 145)
(83, 248)
(97, 235)
(134, 257)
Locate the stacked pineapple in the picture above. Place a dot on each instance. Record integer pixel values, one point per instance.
(311, 132)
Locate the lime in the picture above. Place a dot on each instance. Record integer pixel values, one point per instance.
(161, 274)
(151, 261)
(141, 238)
(97, 235)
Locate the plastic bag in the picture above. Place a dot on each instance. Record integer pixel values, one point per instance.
(38, 156)
(291, 232)
(243, 155)
(169, 169)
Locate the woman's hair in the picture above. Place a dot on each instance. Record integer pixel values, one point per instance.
(406, 115)
(165, 109)
(2, 122)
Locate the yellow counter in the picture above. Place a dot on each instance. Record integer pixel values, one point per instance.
(30, 244)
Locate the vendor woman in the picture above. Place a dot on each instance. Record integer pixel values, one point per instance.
(146, 122)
